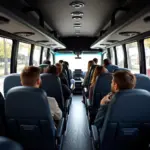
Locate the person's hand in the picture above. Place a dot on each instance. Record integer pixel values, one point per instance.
(105, 100)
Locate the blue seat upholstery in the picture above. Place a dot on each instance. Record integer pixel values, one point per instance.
(111, 68)
(11, 81)
(102, 88)
(121, 69)
(143, 82)
(7, 144)
(29, 119)
(52, 86)
(127, 122)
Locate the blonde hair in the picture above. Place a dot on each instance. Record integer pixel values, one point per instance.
(90, 63)
(98, 71)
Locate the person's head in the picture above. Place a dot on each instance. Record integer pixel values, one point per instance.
(47, 62)
(30, 76)
(61, 61)
(52, 69)
(107, 62)
(59, 68)
(98, 71)
(90, 63)
(95, 60)
(66, 63)
(123, 80)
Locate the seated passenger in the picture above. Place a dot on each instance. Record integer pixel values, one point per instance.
(60, 74)
(122, 80)
(61, 61)
(44, 65)
(85, 82)
(30, 76)
(95, 60)
(108, 65)
(97, 72)
(66, 91)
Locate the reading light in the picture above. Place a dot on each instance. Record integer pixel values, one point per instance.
(77, 4)
(129, 33)
(77, 13)
(4, 20)
(24, 34)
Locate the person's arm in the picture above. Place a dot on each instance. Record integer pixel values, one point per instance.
(55, 110)
(102, 111)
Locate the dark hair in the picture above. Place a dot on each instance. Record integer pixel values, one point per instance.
(124, 80)
(48, 62)
(52, 69)
(107, 62)
(95, 60)
(66, 63)
(61, 61)
(30, 75)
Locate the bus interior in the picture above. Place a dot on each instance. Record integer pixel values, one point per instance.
(75, 31)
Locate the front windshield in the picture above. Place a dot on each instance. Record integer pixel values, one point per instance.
(77, 63)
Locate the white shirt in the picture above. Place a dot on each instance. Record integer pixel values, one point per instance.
(55, 110)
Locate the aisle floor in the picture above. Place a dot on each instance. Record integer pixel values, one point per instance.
(77, 136)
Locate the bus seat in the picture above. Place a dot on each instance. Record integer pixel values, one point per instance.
(121, 69)
(143, 82)
(11, 81)
(52, 85)
(78, 74)
(29, 119)
(7, 144)
(127, 122)
(111, 68)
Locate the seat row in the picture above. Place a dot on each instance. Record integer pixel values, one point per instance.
(26, 114)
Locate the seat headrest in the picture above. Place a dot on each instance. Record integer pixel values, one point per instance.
(11, 81)
(21, 101)
(121, 69)
(7, 144)
(142, 82)
(130, 106)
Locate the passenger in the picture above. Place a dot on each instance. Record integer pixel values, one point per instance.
(30, 76)
(61, 74)
(122, 80)
(85, 82)
(108, 65)
(61, 61)
(43, 66)
(95, 60)
(66, 91)
(97, 72)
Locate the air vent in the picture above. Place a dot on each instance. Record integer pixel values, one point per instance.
(24, 34)
(112, 41)
(129, 33)
(77, 4)
(77, 17)
(77, 13)
(147, 19)
(42, 41)
(4, 20)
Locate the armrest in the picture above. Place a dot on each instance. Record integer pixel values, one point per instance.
(95, 134)
(60, 129)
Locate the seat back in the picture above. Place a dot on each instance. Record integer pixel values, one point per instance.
(142, 82)
(77, 74)
(127, 122)
(29, 119)
(121, 69)
(11, 81)
(111, 68)
(52, 86)
(102, 88)
(7, 144)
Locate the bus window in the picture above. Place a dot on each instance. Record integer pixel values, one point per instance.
(23, 56)
(104, 56)
(36, 55)
(5, 57)
(147, 55)
(120, 56)
(112, 56)
(133, 57)
(44, 55)
(51, 58)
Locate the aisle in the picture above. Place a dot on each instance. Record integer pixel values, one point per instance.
(77, 136)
